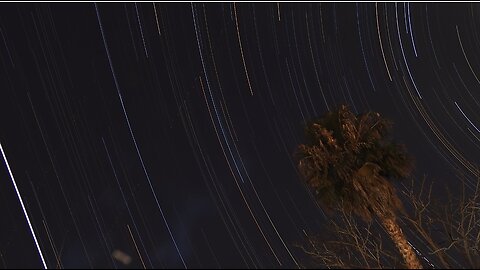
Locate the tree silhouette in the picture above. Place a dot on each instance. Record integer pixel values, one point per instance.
(348, 161)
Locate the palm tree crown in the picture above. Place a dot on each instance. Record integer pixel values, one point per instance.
(347, 159)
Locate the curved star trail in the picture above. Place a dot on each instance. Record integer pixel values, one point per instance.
(161, 135)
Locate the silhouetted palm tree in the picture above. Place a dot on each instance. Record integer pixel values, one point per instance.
(348, 161)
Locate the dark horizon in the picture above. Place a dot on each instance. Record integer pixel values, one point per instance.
(167, 130)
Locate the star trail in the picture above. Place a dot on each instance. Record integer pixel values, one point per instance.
(161, 135)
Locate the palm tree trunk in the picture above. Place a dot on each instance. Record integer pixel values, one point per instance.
(395, 232)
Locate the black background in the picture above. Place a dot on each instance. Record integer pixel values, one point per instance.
(219, 159)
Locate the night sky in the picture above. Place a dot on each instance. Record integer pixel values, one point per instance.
(166, 131)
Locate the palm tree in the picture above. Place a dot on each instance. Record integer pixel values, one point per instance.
(348, 160)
